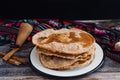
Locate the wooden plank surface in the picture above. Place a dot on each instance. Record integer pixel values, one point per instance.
(94, 76)
(110, 70)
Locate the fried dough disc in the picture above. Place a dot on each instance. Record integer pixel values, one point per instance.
(58, 63)
(67, 56)
(67, 41)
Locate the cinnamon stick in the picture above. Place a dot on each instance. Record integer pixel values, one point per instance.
(12, 61)
(9, 54)
(22, 60)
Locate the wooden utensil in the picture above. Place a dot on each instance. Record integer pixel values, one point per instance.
(24, 32)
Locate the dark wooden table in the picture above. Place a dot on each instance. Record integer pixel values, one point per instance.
(110, 70)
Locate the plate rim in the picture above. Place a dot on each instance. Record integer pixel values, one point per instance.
(87, 73)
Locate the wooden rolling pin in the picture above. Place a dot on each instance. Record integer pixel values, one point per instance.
(24, 32)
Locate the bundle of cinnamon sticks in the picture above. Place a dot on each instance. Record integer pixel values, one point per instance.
(14, 59)
(24, 32)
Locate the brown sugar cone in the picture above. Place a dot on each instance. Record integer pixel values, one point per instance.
(24, 32)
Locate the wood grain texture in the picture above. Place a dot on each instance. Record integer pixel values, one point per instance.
(110, 71)
(94, 76)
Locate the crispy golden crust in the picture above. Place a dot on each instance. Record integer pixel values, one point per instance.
(66, 56)
(58, 63)
(68, 41)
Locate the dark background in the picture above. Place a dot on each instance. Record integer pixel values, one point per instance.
(62, 9)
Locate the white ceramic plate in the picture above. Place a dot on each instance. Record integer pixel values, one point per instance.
(94, 65)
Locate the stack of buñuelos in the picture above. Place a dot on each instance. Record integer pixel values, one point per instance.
(64, 48)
